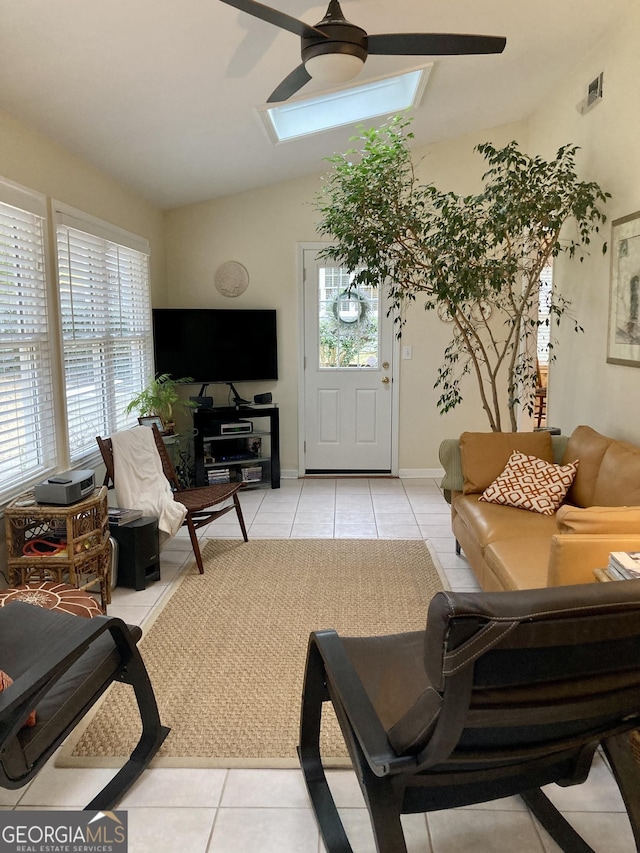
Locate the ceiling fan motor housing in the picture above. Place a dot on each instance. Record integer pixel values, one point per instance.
(342, 37)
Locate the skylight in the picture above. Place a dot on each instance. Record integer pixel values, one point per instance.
(304, 116)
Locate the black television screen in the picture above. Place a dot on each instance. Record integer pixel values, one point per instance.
(216, 344)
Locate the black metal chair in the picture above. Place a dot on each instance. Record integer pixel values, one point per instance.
(502, 694)
(60, 665)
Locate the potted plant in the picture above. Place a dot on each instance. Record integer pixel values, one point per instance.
(160, 398)
(478, 259)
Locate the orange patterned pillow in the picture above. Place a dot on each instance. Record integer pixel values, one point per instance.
(531, 483)
(7, 681)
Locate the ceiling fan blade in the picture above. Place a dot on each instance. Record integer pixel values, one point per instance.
(290, 85)
(273, 16)
(434, 44)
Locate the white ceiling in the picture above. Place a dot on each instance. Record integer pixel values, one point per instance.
(161, 94)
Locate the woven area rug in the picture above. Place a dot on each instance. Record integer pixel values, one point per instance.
(226, 654)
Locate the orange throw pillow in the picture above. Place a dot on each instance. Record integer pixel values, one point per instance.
(6, 681)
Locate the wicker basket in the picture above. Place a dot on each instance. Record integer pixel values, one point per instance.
(83, 527)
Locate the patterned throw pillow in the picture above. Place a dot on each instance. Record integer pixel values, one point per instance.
(7, 681)
(531, 483)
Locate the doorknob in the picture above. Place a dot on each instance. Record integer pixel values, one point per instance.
(385, 380)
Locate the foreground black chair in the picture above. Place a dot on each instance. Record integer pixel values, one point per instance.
(60, 665)
(502, 694)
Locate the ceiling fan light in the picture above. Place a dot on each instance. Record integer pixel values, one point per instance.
(334, 67)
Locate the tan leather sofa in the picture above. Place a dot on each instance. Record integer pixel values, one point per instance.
(511, 548)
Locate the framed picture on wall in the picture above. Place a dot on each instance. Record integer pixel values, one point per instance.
(623, 345)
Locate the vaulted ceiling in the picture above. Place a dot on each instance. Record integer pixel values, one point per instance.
(162, 94)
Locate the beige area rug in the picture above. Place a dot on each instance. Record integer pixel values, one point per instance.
(226, 654)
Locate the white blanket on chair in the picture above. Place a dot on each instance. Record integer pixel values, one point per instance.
(140, 482)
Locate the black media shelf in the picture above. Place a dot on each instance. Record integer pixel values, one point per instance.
(216, 451)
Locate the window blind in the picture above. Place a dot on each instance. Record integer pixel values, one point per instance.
(544, 320)
(105, 312)
(27, 433)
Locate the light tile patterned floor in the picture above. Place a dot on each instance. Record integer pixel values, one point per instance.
(267, 811)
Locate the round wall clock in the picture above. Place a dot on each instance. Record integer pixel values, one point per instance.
(231, 278)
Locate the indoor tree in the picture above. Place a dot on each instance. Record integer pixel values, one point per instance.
(477, 258)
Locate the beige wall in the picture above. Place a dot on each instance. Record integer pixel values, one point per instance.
(259, 229)
(583, 388)
(262, 229)
(32, 160)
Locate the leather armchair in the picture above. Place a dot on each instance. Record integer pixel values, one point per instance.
(502, 694)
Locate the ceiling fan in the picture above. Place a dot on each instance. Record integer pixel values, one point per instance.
(334, 50)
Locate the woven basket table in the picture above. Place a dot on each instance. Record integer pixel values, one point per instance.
(82, 531)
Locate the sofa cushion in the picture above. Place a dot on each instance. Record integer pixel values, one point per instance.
(588, 447)
(485, 454)
(493, 522)
(519, 563)
(531, 483)
(618, 481)
(598, 519)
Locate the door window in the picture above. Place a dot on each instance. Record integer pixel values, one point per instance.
(348, 327)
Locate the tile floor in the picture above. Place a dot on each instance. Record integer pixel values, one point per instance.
(266, 811)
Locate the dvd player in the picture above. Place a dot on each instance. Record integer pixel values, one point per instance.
(235, 427)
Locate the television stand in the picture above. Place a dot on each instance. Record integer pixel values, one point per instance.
(223, 454)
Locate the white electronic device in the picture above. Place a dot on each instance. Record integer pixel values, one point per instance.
(236, 427)
(66, 488)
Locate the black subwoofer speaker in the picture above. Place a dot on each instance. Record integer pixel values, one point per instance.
(138, 552)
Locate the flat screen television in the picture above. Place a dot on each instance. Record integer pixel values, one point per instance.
(216, 344)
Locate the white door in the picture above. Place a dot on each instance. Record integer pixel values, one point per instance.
(348, 392)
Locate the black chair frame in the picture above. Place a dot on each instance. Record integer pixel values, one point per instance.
(61, 665)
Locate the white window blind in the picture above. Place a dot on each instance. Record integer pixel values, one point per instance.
(27, 434)
(106, 329)
(544, 302)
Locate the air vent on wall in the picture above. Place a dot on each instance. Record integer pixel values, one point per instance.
(594, 95)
